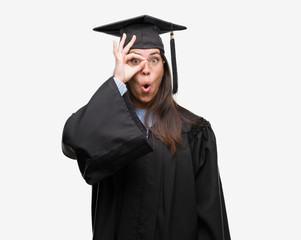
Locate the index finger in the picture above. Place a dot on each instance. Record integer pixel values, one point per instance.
(132, 56)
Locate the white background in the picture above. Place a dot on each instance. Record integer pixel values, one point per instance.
(239, 67)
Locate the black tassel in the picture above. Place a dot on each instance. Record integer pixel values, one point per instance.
(174, 64)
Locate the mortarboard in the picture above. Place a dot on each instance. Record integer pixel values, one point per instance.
(147, 30)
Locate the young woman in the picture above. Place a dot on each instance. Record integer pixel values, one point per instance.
(152, 164)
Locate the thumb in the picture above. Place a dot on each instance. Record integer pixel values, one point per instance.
(133, 70)
(140, 66)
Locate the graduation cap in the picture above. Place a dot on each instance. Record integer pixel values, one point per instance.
(147, 30)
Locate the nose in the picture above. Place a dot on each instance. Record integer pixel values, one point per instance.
(146, 69)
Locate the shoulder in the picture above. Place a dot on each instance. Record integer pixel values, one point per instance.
(197, 129)
(192, 123)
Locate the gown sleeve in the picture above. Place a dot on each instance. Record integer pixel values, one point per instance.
(105, 134)
(211, 211)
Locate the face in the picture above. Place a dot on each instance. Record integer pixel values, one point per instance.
(145, 84)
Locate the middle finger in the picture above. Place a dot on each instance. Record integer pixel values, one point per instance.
(129, 45)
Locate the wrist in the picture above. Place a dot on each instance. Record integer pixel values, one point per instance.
(121, 79)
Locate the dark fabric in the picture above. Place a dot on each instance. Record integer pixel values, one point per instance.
(149, 194)
(174, 65)
(89, 131)
(147, 36)
(146, 28)
(162, 26)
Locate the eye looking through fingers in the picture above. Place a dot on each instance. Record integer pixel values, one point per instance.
(153, 62)
(134, 62)
(134, 59)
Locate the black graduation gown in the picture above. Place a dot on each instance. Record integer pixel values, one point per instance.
(139, 189)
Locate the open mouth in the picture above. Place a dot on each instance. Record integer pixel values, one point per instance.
(145, 88)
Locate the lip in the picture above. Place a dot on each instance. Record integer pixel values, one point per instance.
(146, 88)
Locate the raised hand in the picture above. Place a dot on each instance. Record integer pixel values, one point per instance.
(123, 71)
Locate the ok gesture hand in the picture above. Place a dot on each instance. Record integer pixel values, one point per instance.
(123, 71)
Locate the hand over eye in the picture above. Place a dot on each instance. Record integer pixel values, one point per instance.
(123, 70)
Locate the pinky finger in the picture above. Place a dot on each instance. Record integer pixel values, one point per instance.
(114, 47)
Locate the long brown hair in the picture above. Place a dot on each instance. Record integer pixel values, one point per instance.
(166, 119)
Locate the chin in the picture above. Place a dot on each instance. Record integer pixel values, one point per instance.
(145, 100)
(142, 102)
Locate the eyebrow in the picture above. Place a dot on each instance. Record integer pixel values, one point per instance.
(154, 53)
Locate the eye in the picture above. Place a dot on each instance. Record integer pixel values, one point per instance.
(135, 61)
(154, 60)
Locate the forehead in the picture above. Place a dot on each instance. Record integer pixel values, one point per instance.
(143, 52)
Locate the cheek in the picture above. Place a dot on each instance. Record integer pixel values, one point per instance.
(133, 86)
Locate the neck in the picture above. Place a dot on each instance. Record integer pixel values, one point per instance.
(139, 104)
